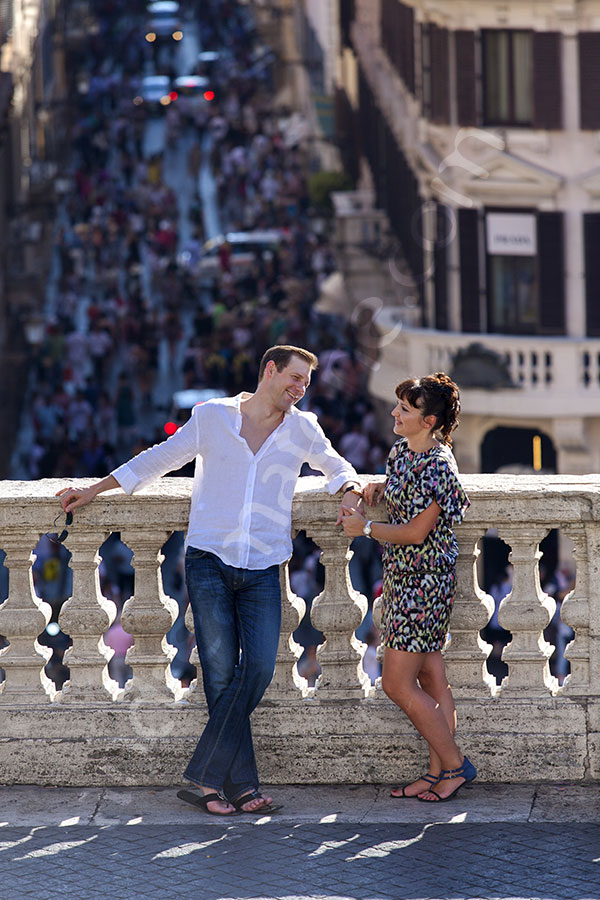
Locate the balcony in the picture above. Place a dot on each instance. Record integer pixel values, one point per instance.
(344, 730)
(549, 376)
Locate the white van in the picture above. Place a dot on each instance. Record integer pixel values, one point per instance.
(246, 248)
(184, 401)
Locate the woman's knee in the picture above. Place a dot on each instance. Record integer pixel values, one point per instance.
(399, 676)
(431, 682)
(432, 676)
(396, 689)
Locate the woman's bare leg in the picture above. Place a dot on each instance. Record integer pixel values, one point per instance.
(432, 678)
(432, 715)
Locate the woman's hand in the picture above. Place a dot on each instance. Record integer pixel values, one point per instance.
(353, 523)
(351, 501)
(373, 492)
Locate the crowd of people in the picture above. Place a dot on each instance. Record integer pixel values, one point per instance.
(131, 301)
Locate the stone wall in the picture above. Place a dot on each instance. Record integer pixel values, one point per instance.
(345, 729)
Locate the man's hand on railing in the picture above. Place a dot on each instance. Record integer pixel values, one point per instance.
(352, 500)
(72, 498)
(353, 523)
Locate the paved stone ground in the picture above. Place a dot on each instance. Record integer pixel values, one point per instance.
(378, 862)
(144, 844)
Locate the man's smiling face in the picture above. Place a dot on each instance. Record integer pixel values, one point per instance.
(288, 386)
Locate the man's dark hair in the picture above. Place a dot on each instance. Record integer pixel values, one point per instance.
(281, 355)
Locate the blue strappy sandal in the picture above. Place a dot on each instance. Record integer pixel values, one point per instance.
(429, 778)
(466, 771)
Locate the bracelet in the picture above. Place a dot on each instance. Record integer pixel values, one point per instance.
(354, 491)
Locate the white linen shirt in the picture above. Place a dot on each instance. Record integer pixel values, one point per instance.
(241, 507)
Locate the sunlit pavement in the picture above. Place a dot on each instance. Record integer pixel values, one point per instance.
(336, 842)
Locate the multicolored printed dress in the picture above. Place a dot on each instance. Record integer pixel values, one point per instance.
(419, 579)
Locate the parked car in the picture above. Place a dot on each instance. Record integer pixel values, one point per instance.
(192, 90)
(245, 247)
(164, 21)
(154, 91)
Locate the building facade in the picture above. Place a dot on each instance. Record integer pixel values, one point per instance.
(33, 136)
(480, 129)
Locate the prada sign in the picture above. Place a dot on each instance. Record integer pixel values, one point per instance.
(511, 234)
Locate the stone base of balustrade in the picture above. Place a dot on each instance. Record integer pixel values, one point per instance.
(304, 741)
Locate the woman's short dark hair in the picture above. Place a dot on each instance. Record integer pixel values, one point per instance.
(434, 395)
(281, 355)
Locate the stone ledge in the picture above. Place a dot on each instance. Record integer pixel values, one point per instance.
(511, 742)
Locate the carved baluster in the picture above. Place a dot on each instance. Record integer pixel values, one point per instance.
(22, 619)
(180, 693)
(525, 612)
(286, 681)
(337, 612)
(147, 616)
(85, 617)
(593, 575)
(193, 694)
(194, 658)
(473, 608)
(376, 689)
(575, 611)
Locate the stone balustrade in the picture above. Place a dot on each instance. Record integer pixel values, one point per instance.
(344, 729)
(547, 373)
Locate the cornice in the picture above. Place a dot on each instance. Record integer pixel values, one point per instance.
(568, 16)
(507, 176)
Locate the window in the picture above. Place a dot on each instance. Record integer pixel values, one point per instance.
(435, 73)
(513, 272)
(508, 72)
(513, 282)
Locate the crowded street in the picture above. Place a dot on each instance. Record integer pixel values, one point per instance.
(185, 245)
(300, 358)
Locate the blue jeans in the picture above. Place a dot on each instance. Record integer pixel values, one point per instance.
(237, 620)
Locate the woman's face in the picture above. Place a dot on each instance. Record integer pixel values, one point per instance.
(408, 421)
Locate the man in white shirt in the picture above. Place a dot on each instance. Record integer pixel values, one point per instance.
(249, 450)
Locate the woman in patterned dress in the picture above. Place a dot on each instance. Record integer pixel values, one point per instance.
(424, 499)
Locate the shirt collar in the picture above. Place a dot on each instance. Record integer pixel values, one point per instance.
(245, 395)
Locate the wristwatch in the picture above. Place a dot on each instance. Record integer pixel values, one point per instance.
(367, 528)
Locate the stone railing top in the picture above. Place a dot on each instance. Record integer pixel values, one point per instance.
(308, 488)
(552, 499)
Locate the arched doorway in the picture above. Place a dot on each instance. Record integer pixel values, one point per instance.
(515, 448)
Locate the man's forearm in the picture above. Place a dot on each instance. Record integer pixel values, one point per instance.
(73, 498)
(106, 484)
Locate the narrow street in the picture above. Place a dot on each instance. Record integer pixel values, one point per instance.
(133, 315)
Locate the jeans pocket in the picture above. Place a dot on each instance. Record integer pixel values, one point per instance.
(195, 553)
